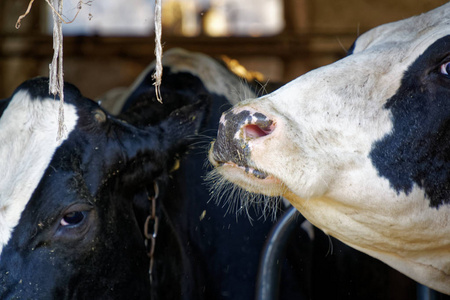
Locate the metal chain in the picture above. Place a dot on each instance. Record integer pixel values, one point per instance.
(151, 230)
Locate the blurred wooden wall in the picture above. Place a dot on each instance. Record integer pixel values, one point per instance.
(317, 33)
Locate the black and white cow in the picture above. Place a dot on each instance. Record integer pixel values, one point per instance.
(360, 147)
(69, 225)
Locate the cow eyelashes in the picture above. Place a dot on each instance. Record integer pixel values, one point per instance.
(445, 68)
(73, 218)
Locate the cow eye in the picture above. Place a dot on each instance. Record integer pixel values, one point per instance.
(73, 218)
(445, 68)
(75, 221)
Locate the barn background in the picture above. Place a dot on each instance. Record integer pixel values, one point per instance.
(280, 38)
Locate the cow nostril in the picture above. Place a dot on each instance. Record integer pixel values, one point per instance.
(252, 131)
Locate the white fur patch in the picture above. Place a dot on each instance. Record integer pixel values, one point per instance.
(28, 130)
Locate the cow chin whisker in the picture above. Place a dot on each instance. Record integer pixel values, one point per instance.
(238, 201)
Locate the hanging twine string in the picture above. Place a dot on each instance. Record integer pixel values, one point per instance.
(56, 82)
(30, 4)
(157, 76)
(56, 74)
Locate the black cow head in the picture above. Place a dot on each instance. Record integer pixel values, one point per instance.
(68, 227)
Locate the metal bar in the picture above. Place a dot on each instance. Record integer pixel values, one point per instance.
(425, 293)
(267, 285)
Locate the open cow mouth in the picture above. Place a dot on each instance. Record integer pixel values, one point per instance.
(255, 172)
(247, 169)
(241, 174)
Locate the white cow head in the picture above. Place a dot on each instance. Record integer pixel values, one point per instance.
(360, 147)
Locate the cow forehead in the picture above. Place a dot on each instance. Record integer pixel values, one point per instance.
(417, 30)
(28, 129)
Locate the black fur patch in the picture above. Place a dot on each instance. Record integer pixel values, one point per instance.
(417, 151)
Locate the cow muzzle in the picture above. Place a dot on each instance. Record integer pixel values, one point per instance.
(238, 130)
